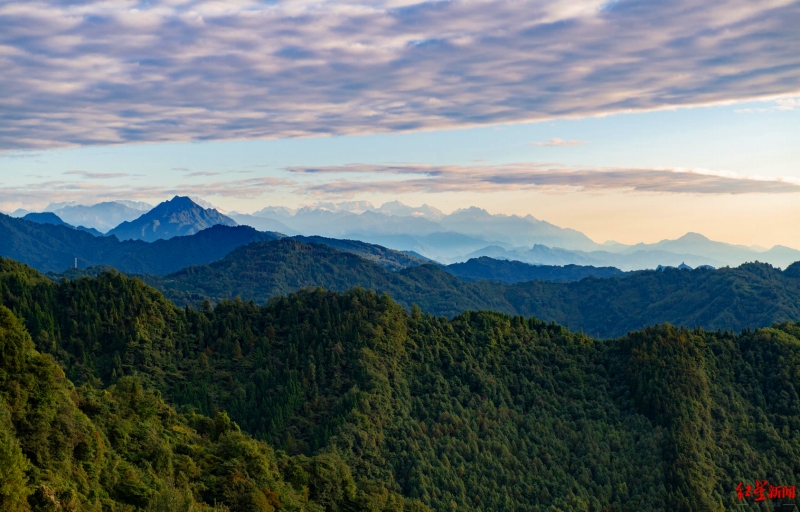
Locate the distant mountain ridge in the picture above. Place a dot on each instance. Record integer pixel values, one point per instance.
(101, 216)
(473, 232)
(425, 231)
(179, 216)
(727, 254)
(262, 223)
(51, 248)
(700, 251)
(362, 221)
(55, 220)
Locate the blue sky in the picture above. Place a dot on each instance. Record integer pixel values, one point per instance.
(635, 121)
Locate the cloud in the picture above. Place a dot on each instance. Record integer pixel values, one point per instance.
(788, 103)
(201, 173)
(778, 104)
(125, 71)
(19, 154)
(90, 193)
(555, 141)
(534, 176)
(99, 175)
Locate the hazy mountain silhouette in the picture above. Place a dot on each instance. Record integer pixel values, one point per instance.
(456, 234)
(179, 216)
(101, 216)
(474, 232)
(55, 220)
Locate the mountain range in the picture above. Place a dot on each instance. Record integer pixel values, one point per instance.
(423, 225)
(424, 231)
(54, 248)
(693, 249)
(406, 386)
(474, 232)
(223, 262)
(101, 216)
(751, 295)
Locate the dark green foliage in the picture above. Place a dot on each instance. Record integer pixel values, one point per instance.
(123, 449)
(752, 295)
(793, 270)
(510, 272)
(481, 412)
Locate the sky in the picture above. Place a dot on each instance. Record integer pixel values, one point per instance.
(628, 120)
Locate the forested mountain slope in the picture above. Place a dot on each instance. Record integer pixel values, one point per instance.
(481, 412)
(262, 270)
(387, 258)
(752, 295)
(123, 449)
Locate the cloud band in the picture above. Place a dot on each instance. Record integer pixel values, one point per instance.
(119, 71)
(531, 176)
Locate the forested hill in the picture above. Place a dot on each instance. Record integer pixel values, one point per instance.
(752, 295)
(387, 258)
(481, 412)
(510, 272)
(121, 448)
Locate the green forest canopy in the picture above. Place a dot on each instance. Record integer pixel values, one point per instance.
(484, 411)
(122, 448)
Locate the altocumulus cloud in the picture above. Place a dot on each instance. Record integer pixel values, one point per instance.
(528, 176)
(118, 71)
